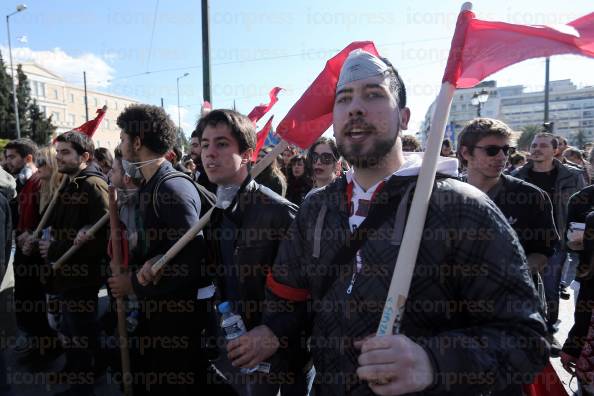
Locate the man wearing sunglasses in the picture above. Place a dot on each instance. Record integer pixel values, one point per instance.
(483, 149)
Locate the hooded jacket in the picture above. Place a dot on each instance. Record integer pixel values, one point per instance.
(82, 202)
(471, 306)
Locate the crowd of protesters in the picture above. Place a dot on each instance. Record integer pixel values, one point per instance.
(304, 253)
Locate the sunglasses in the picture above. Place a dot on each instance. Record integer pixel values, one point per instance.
(40, 162)
(325, 158)
(493, 150)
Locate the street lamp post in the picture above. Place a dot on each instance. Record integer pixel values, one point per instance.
(178, 108)
(478, 99)
(19, 8)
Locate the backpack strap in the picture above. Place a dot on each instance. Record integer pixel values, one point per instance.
(318, 231)
(377, 215)
(206, 197)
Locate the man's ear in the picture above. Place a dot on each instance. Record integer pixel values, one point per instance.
(86, 156)
(246, 156)
(136, 143)
(28, 158)
(404, 118)
(464, 153)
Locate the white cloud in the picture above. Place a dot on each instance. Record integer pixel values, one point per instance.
(70, 67)
(187, 123)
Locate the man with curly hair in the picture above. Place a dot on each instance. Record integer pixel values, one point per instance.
(171, 319)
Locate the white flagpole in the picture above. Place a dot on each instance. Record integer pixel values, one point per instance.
(407, 256)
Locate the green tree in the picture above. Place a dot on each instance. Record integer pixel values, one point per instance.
(40, 127)
(183, 141)
(579, 139)
(7, 127)
(23, 101)
(527, 136)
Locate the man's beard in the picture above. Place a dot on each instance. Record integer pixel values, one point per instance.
(68, 169)
(197, 160)
(355, 155)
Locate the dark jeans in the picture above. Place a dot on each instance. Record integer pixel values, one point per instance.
(166, 359)
(29, 296)
(552, 279)
(80, 330)
(4, 386)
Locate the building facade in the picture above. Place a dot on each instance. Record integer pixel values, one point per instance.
(66, 104)
(570, 108)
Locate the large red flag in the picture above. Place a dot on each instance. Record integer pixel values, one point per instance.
(312, 114)
(262, 135)
(259, 111)
(89, 127)
(481, 48)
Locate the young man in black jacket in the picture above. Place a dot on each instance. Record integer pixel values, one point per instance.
(245, 231)
(471, 323)
(483, 147)
(169, 360)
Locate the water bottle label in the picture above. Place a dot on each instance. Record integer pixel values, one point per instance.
(233, 331)
(233, 327)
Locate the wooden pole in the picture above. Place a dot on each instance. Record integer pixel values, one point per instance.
(50, 207)
(413, 232)
(116, 268)
(74, 248)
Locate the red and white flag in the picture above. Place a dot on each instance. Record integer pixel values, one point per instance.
(205, 108)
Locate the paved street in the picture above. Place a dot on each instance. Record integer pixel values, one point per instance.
(25, 381)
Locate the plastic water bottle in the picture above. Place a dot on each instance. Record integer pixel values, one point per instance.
(234, 327)
(133, 314)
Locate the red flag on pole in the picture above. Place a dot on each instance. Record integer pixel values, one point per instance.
(312, 114)
(89, 127)
(123, 241)
(261, 110)
(481, 48)
(262, 135)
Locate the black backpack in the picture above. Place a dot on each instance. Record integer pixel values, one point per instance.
(207, 199)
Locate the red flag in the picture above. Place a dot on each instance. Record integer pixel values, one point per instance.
(481, 48)
(259, 111)
(123, 239)
(312, 114)
(547, 382)
(262, 135)
(89, 127)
